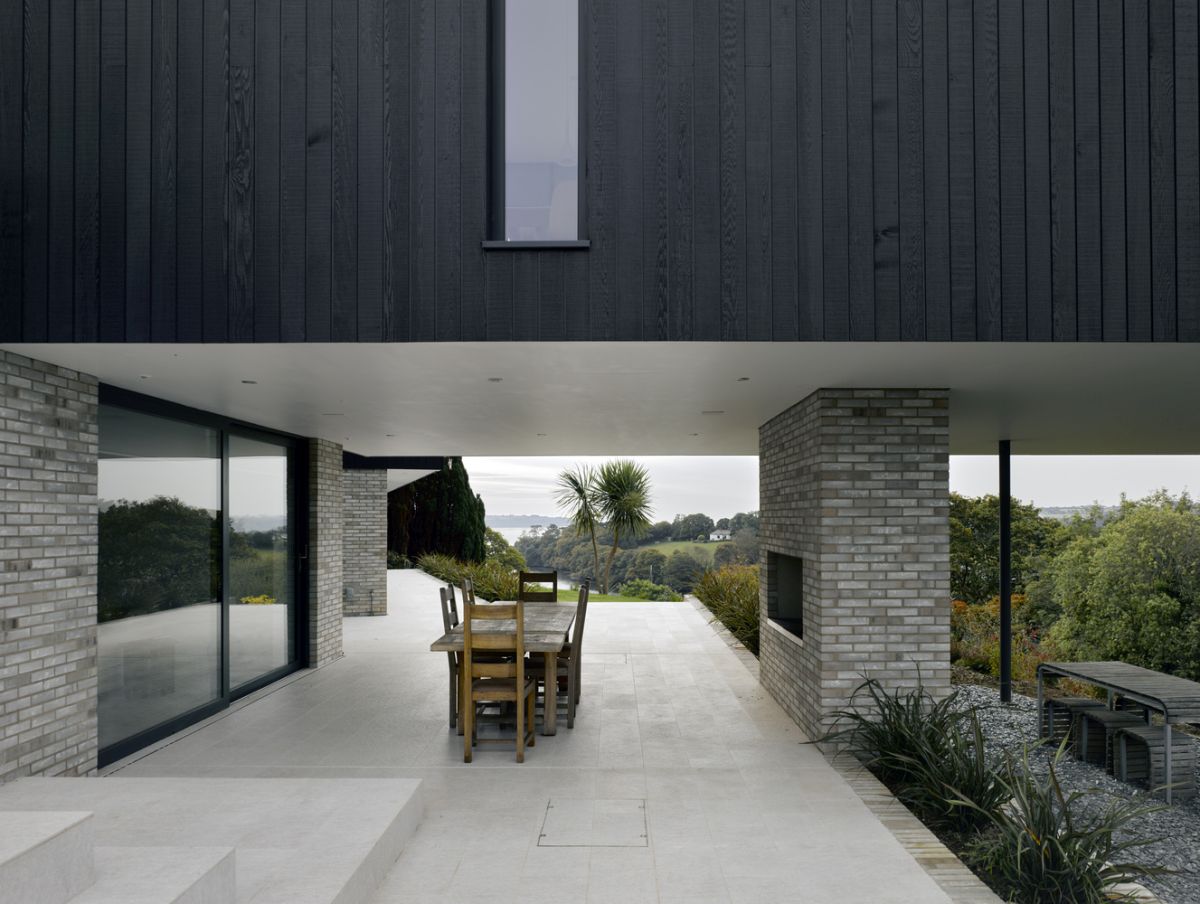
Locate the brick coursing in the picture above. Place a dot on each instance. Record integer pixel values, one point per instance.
(325, 499)
(48, 539)
(855, 482)
(364, 542)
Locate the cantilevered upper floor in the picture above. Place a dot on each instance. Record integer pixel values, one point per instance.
(342, 170)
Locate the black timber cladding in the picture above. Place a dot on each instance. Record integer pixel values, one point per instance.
(316, 170)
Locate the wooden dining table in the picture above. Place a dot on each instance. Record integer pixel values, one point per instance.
(546, 627)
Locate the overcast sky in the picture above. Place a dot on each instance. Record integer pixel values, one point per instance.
(722, 485)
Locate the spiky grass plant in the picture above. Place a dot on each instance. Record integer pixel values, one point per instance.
(1043, 847)
(930, 752)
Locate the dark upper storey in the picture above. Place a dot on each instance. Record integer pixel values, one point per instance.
(282, 170)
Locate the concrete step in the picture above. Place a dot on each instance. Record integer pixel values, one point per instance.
(162, 875)
(45, 857)
(297, 840)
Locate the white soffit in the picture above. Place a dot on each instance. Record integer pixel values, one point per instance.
(398, 477)
(648, 398)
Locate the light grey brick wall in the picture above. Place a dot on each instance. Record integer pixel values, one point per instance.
(48, 538)
(364, 542)
(855, 482)
(325, 500)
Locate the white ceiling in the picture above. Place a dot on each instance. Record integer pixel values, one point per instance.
(649, 398)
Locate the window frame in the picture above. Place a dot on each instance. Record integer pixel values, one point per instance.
(497, 160)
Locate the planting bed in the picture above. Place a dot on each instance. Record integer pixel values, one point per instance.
(1177, 828)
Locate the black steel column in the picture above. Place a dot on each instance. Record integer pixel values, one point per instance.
(1005, 574)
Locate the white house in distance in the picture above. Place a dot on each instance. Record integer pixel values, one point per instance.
(719, 534)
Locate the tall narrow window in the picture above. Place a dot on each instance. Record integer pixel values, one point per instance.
(536, 116)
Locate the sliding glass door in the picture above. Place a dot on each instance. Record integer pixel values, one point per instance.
(198, 569)
(159, 571)
(262, 574)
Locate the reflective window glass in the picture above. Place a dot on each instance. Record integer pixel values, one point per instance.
(261, 573)
(541, 120)
(159, 571)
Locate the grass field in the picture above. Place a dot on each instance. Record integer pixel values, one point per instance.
(572, 596)
(702, 552)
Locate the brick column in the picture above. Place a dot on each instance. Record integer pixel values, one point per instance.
(48, 539)
(364, 542)
(854, 497)
(325, 498)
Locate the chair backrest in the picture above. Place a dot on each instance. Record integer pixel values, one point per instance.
(536, 593)
(449, 608)
(477, 618)
(468, 592)
(580, 618)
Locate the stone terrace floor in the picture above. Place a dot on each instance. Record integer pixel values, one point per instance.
(737, 808)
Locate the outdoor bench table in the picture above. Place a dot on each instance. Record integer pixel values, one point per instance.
(1178, 699)
(546, 627)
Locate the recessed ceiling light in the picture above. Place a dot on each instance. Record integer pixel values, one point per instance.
(743, 379)
(495, 379)
(389, 435)
(541, 434)
(332, 414)
(693, 434)
(144, 377)
(713, 411)
(250, 382)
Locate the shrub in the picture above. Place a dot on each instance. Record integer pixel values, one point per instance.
(1043, 847)
(931, 753)
(1132, 591)
(731, 595)
(492, 580)
(975, 639)
(395, 560)
(261, 600)
(641, 589)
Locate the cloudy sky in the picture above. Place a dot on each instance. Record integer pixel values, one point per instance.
(721, 486)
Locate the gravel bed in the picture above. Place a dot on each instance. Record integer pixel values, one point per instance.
(1177, 827)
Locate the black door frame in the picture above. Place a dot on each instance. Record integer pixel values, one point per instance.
(298, 478)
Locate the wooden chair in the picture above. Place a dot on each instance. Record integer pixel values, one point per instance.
(536, 593)
(468, 591)
(496, 682)
(450, 621)
(569, 668)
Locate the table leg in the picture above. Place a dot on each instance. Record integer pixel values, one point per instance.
(1040, 714)
(464, 694)
(1167, 756)
(550, 718)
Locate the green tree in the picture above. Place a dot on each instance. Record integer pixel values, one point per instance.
(745, 542)
(725, 554)
(975, 545)
(157, 554)
(689, 527)
(622, 499)
(650, 565)
(682, 572)
(577, 496)
(1132, 592)
(438, 513)
(500, 550)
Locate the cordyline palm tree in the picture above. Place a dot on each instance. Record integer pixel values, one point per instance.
(577, 496)
(622, 499)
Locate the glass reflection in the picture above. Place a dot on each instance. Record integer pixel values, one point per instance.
(261, 578)
(541, 120)
(159, 571)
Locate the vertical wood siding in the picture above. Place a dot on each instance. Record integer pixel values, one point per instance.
(317, 170)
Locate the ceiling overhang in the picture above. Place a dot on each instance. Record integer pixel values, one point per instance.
(649, 398)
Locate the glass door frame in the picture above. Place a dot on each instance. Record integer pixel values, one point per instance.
(298, 460)
(298, 545)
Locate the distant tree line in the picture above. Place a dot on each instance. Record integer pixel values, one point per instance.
(571, 554)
